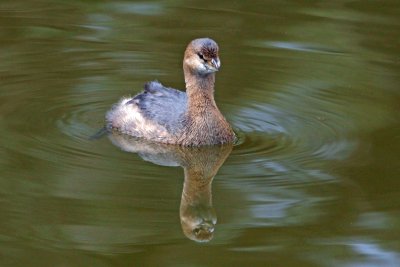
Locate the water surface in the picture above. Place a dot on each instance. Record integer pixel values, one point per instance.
(311, 87)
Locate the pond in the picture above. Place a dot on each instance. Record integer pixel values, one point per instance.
(311, 87)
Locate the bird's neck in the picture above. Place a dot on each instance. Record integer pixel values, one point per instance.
(204, 122)
(200, 90)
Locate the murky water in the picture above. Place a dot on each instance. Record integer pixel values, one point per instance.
(313, 88)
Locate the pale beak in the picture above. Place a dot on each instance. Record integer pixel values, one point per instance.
(216, 63)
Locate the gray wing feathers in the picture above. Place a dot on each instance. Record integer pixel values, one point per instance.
(165, 106)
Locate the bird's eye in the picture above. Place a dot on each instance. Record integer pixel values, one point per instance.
(201, 56)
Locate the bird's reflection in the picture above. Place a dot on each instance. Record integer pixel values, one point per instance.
(200, 164)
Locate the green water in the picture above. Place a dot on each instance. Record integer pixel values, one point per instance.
(312, 87)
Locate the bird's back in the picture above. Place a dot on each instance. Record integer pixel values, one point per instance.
(155, 114)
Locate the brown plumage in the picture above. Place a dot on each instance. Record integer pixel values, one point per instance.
(169, 116)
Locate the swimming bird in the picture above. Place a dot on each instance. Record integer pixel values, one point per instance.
(170, 116)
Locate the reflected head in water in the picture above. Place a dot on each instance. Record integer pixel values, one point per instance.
(198, 217)
(170, 116)
(200, 165)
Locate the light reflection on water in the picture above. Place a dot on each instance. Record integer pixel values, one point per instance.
(312, 89)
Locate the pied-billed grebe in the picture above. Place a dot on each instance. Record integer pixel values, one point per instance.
(170, 116)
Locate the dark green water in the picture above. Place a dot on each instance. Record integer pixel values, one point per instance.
(313, 87)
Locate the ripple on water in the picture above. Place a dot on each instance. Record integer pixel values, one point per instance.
(279, 130)
(281, 136)
(42, 133)
(82, 120)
